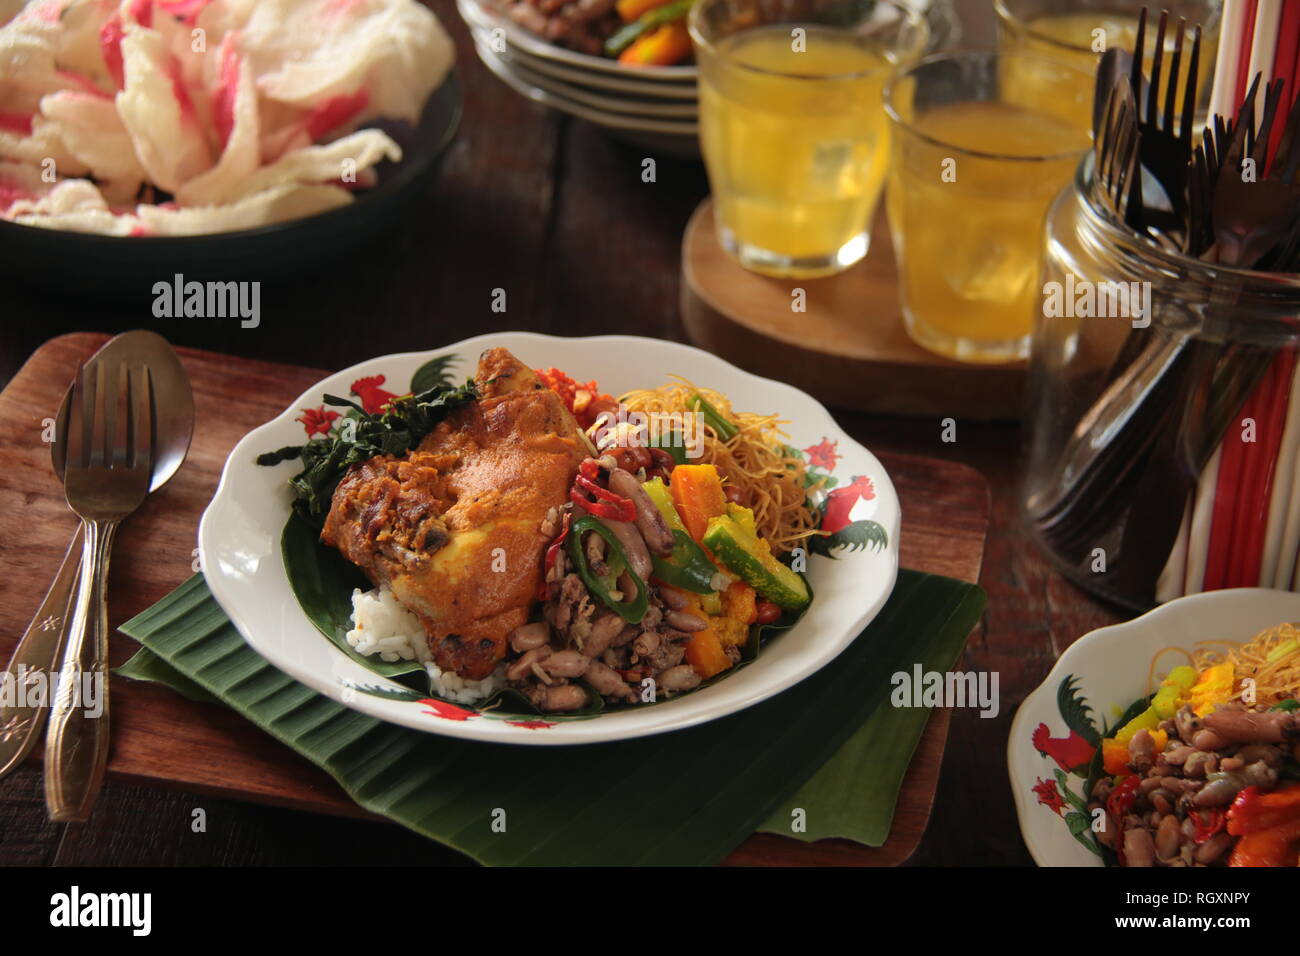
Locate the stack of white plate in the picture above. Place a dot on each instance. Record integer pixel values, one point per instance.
(655, 107)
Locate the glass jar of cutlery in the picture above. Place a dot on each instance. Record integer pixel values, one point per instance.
(1163, 429)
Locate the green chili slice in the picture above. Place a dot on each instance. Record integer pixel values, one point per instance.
(632, 610)
(724, 429)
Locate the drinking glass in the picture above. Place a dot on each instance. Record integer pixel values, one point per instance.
(977, 160)
(1077, 32)
(792, 127)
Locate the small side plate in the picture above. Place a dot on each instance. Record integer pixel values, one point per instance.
(1108, 669)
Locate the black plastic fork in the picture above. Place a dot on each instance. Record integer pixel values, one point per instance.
(1166, 149)
(1252, 215)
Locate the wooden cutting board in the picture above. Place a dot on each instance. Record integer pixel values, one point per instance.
(161, 739)
(847, 347)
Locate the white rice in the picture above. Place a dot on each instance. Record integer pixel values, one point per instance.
(381, 625)
(453, 687)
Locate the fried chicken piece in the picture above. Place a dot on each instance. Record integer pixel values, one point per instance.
(454, 527)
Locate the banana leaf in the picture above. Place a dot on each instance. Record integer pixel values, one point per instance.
(853, 796)
(686, 798)
(146, 665)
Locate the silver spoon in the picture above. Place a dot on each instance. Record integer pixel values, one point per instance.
(38, 654)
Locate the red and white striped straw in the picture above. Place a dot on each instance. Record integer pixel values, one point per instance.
(1256, 37)
(1263, 48)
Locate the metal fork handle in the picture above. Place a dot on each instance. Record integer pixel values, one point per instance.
(76, 743)
(38, 652)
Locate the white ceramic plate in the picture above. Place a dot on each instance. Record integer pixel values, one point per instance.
(477, 15)
(506, 73)
(623, 105)
(622, 85)
(1110, 665)
(239, 542)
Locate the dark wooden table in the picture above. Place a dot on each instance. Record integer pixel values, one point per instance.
(557, 215)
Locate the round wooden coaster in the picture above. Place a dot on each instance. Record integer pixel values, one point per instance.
(847, 348)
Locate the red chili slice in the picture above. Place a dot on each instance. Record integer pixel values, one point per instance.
(552, 551)
(1208, 823)
(1119, 802)
(607, 503)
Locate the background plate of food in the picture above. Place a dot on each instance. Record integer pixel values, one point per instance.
(684, 129)
(219, 139)
(1169, 740)
(646, 39)
(473, 543)
(595, 99)
(678, 138)
(652, 106)
(626, 83)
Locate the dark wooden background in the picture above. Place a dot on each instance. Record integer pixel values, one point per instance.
(555, 213)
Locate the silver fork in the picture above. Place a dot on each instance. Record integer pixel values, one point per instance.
(110, 449)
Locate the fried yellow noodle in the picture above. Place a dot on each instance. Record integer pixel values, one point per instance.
(1271, 658)
(757, 460)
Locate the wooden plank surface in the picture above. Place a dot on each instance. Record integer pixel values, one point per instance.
(160, 738)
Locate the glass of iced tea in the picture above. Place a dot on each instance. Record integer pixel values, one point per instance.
(1079, 31)
(792, 123)
(977, 160)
